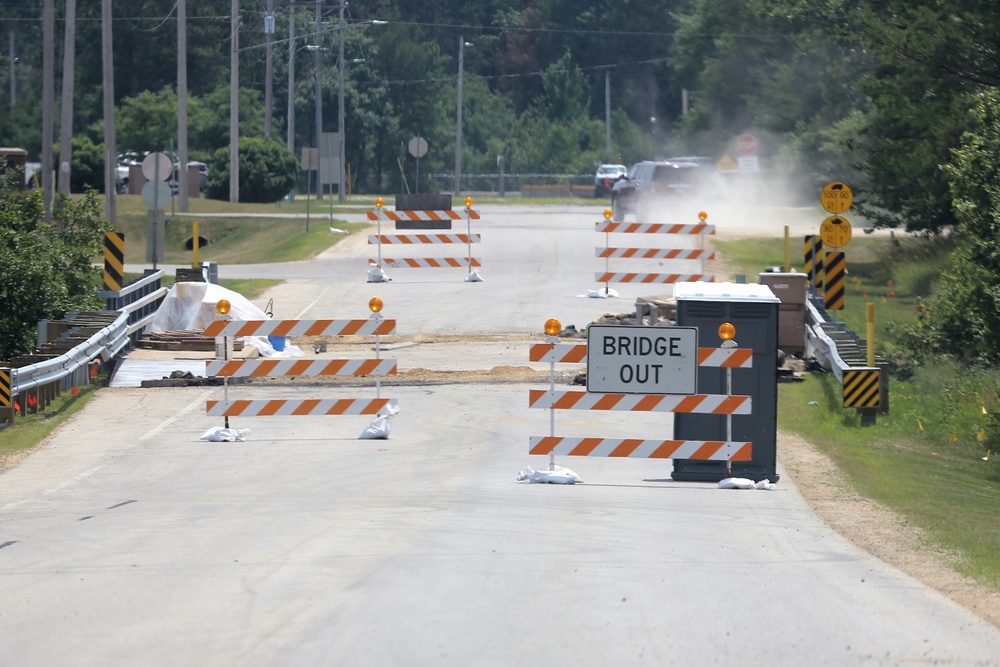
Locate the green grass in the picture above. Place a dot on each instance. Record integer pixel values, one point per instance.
(894, 274)
(924, 459)
(234, 240)
(133, 204)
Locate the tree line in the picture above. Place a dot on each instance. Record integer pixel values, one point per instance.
(896, 98)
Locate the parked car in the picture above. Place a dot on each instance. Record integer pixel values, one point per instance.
(605, 178)
(651, 185)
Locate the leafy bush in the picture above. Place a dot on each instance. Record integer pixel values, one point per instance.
(267, 171)
(45, 269)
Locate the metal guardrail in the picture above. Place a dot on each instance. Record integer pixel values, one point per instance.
(140, 298)
(106, 344)
(822, 336)
(66, 362)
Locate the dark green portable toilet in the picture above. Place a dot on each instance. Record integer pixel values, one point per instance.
(753, 310)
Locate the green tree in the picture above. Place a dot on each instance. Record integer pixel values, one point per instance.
(267, 171)
(929, 57)
(965, 318)
(147, 122)
(88, 165)
(45, 269)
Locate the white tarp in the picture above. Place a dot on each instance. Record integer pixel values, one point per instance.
(191, 305)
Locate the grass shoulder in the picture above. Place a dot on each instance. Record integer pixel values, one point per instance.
(930, 458)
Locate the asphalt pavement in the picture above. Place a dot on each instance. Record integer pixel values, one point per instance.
(128, 539)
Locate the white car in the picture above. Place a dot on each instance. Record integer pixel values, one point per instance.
(605, 178)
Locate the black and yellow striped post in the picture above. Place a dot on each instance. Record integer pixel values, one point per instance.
(836, 280)
(114, 261)
(814, 261)
(863, 391)
(6, 399)
(861, 388)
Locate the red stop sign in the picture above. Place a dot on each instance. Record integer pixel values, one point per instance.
(746, 144)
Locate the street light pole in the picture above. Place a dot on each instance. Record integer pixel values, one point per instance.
(234, 102)
(340, 107)
(291, 78)
(458, 116)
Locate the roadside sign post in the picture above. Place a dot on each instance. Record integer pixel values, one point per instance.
(746, 150)
(835, 232)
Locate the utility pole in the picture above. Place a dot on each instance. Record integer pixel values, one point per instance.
(182, 113)
(340, 107)
(108, 83)
(234, 101)
(48, 100)
(11, 61)
(607, 115)
(269, 69)
(319, 98)
(66, 102)
(291, 77)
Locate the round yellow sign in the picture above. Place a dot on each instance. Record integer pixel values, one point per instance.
(836, 197)
(835, 231)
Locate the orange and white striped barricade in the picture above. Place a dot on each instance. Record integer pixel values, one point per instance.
(553, 351)
(299, 407)
(609, 252)
(227, 367)
(424, 239)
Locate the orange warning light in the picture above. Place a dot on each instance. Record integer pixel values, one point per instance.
(375, 304)
(222, 306)
(553, 327)
(379, 202)
(703, 216)
(727, 331)
(468, 201)
(607, 214)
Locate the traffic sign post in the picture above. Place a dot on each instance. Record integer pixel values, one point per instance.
(642, 360)
(157, 168)
(746, 150)
(417, 147)
(835, 232)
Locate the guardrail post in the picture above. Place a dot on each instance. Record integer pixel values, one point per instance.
(6, 398)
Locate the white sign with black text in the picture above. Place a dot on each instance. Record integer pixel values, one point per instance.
(642, 360)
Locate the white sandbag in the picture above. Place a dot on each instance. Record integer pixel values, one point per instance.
(765, 485)
(376, 274)
(222, 434)
(736, 483)
(377, 430)
(552, 475)
(474, 277)
(601, 293)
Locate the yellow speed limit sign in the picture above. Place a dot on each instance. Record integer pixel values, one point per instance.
(835, 231)
(836, 197)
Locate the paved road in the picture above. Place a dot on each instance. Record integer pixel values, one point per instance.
(129, 540)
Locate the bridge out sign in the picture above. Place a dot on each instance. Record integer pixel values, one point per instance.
(642, 360)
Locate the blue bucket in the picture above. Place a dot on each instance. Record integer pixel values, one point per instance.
(277, 342)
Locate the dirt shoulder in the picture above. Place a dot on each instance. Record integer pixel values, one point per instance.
(878, 530)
